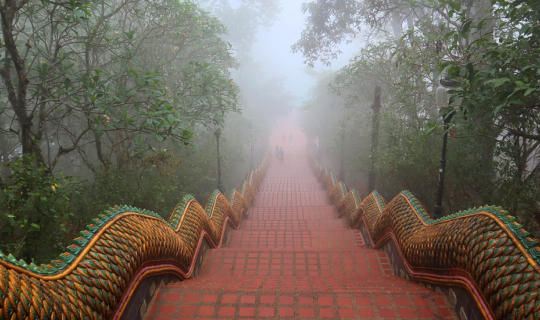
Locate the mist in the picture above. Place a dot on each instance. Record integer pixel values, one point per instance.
(269, 158)
(125, 103)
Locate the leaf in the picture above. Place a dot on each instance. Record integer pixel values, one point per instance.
(529, 91)
(498, 108)
(428, 131)
(466, 26)
(138, 140)
(35, 226)
(456, 5)
(498, 82)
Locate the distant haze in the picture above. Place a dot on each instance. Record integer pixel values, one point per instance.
(273, 51)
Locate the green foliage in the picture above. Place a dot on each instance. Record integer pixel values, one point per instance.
(116, 74)
(500, 77)
(407, 160)
(34, 209)
(41, 213)
(500, 81)
(328, 24)
(243, 19)
(491, 49)
(111, 93)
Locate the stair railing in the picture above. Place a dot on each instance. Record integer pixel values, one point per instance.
(483, 251)
(97, 274)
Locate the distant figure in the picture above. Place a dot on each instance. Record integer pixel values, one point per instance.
(277, 152)
(281, 154)
(290, 139)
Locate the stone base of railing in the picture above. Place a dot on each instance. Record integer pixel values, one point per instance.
(148, 288)
(144, 294)
(460, 298)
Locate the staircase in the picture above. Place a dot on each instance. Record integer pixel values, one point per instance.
(293, 258)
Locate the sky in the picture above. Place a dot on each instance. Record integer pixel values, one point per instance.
(273, 51)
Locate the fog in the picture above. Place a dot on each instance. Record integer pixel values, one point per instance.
(126, 102)
(273, 50)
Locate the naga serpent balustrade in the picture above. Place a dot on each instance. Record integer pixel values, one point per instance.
(98, 273)
(483, 250)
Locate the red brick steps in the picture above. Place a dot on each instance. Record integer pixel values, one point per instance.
(293, 258)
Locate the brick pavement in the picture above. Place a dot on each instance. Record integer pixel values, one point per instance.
(292, 258)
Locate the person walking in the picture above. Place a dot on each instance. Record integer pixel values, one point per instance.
(277, 152)
(281, 154)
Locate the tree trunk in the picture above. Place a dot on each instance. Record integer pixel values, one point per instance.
(396, 24)
(17, 92)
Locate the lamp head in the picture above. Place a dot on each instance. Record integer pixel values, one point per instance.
(217, 133)
(443, 96)
(448, 82)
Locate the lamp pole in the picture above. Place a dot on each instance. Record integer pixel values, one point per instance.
(443, 98)
(251, 144)
(341, 169)
(317, 148)
(217, 133)
(376, 107)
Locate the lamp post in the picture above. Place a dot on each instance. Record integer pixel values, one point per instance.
(317, 148)
(376, 107)
(447, 112)
(251, 144)
(342, 127)
(217, 133)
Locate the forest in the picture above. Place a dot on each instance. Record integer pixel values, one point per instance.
(488, 49)
(117, 102)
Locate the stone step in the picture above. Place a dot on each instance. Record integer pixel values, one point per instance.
(293, 258)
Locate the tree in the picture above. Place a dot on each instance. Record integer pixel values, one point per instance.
(103, 90)
(499, 78)
(90, 75)
(491, 49)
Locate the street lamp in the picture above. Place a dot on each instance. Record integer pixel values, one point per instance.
(446, 110)
(217, 133)
(342, 132)
(251, 143)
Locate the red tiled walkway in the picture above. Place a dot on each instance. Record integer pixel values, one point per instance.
(292, 258)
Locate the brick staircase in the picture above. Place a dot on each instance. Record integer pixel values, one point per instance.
(293, 258)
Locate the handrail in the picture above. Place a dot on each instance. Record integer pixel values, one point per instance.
(484, 250)
(98, 273)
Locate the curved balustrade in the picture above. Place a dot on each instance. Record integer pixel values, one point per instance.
(484, 250)
(96, 276)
